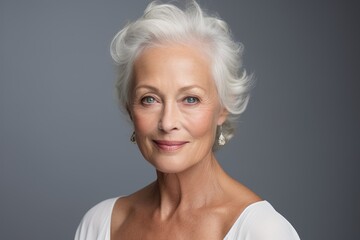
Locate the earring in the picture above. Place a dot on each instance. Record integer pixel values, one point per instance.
(221, 139)
(132, 138)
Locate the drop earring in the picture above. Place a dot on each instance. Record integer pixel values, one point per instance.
(132, 138)
(221, 139)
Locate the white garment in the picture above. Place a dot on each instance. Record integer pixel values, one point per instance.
(259, 221)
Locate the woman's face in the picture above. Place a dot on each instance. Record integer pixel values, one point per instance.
(175, 107)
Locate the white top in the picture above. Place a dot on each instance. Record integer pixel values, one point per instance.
(259, 221)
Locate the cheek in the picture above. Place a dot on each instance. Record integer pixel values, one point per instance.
(144, 123)
(201, 123)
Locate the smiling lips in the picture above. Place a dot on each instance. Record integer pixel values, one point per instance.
(169, 146)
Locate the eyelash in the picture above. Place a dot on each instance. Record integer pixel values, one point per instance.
(196, 100)
(143, 100)
(193, 100)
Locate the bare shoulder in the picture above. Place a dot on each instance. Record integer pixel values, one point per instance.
(121, 209)
(236, 198)
(259, 220)
(241, 196)
(126, 205)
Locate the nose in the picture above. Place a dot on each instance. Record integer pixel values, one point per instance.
(169, 119)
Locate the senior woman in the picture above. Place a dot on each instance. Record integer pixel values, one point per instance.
(182, 85)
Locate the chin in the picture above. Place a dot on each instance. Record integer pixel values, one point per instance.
(170, 165)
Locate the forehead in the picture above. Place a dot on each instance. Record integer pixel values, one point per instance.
(174, 63)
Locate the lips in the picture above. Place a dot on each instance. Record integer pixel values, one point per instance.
(169, 146)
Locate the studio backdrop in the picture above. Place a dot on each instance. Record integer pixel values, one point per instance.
(64, 143)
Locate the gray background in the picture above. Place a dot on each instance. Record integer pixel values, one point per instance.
(64, 144)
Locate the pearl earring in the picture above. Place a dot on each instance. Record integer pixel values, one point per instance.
(221, 139)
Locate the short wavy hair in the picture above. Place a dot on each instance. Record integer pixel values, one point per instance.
(168, 23)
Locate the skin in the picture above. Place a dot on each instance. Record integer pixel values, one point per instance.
(175, 110)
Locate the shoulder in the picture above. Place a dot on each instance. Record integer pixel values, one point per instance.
(96, 222)
(260, 221)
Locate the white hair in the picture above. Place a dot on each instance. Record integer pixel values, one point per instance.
(167, 23)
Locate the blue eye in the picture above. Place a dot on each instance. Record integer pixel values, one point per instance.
(191, 100)
(148, 100)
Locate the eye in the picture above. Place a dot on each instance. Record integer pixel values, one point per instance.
(191, 100)
(148, 100)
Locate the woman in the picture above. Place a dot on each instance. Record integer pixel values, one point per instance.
(182, 85)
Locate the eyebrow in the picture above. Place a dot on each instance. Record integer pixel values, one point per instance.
(185, 88)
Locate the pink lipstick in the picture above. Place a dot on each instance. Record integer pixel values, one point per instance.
(169, 146)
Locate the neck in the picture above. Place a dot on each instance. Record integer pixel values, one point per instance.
(194, 188)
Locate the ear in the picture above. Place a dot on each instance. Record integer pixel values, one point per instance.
(222, 116)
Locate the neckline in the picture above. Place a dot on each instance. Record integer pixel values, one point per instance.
(238, 219)
(242, 215)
